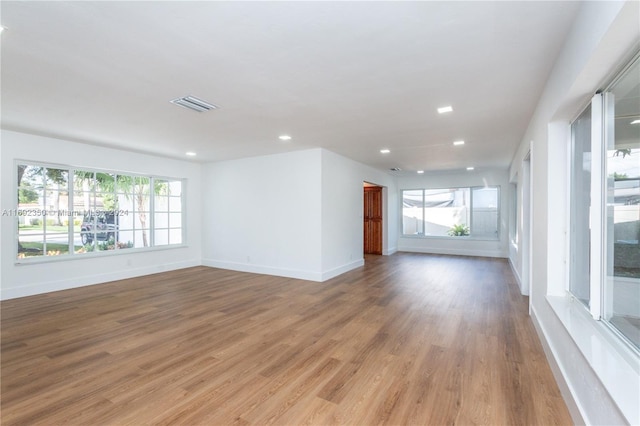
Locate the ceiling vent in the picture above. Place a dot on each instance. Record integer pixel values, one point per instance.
(395, 169)
(194, 103)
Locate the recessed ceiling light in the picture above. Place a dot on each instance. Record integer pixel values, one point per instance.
(635, 122)
(385, 151)
(2, 29)
(469, 168)
(284, 138)
(420, 172)
(190, 154)
(444, 109)
(458, 143)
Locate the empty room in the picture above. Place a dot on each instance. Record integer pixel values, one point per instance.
(354, 213)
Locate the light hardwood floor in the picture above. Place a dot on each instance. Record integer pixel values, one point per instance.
(408, 339)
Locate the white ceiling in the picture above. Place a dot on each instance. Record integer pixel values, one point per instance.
(352, 77)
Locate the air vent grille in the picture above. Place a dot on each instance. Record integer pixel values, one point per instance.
(395, 169)
(194, 104)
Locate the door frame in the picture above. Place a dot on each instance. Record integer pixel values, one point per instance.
(383, 215)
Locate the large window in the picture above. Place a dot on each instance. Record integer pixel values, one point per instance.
(605, 206)
(451, 212)
(63, 211)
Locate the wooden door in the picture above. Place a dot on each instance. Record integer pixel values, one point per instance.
(373, 220)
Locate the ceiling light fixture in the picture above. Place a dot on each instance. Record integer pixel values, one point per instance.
(2, 28)
(190, 154)
(458, 143)
(420, 172)
(444, 109)
(284, 138)
(635, 122)
(469, 168)
(194, 104)
(385, 151)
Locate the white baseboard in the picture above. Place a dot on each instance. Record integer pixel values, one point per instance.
(342, 269)
(57, 285)
(50, 286)
(266, 270)
(389, 251)
(515, 274)
(282, 272)
(454, 252)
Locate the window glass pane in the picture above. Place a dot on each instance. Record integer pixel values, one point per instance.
(56, 178)
(161, 203)
(622, 259)
(125, 206)
(125, 238)
(31, 210)
(161, 220)
(30, 245)
(580, 240)
(141, 200)
(124, 185)
(446, 212)
(84, 198)
(175, 188)
(105, 182)
(161, 187)
(106, 200)
(175, 220)
(57, 244)
(484, 216)
(125, 219)
(141, 221)
(161, 237)
(175, 204)
(412, 211)
(84, 180)
(98, 229)
(175, 236)
(42, 224)
(141, 238)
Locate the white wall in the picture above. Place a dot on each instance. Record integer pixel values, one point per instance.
(27, 279)
(600, 40)
(296, 214)
(495, 248)
(263, 214)
(342, 212)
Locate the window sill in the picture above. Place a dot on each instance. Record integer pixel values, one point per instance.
(93, 255)
(442, 237)
(615, 364)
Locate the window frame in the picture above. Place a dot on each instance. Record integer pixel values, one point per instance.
(469, 237)
(571, 219)
(71, 255)
(601, 134)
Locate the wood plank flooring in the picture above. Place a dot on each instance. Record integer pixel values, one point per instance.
(409, 339)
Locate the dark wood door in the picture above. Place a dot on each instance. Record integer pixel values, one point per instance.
(373, 220)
